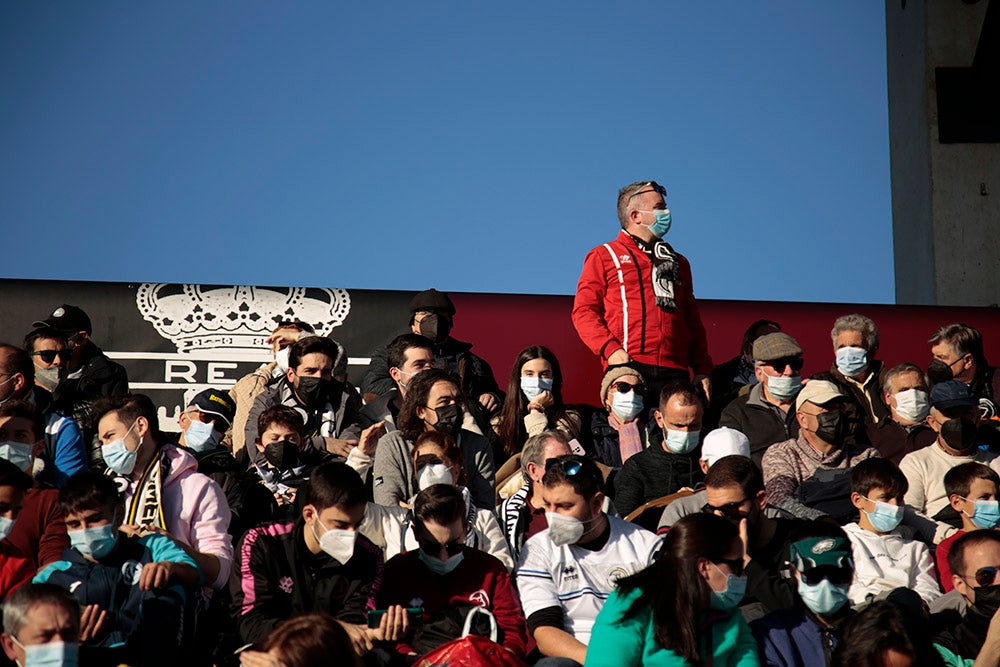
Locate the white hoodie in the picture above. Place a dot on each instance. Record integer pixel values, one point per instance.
(885, 562)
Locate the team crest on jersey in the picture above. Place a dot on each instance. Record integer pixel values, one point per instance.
(625, 259)
(480, 599)
(617, 573)
(286, 584)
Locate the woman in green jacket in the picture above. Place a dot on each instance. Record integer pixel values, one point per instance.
(682, 609)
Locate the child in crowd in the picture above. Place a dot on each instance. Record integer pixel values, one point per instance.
(286, 459)
(134, 588)
(885, 557)
(972, 493)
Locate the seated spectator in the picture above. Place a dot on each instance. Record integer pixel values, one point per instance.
(161, 487)
(438, 460)
(207, 417)
(64, 452)
(856, 371)
(809, 476)
(886, 634)
(975, 561)
(448, 578)
(48, 351)
(885, 558)
(764, 413)
(286, 460)
(16, 567)
(318, 563)
(738, 375)
(304, 641)
(905, 430)
(533, 404)
(721, 442)
(139, 585)
(41, 626)
(433, 402)
(566, 572)
(252, 385)
(659, 471)
(805, 634)
(330, 406)
(682, 609)
(523, 514)
(39, 533)
(620, 430)
(972, 491)
(407, 355)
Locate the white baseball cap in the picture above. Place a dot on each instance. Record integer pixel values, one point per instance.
(724, 441)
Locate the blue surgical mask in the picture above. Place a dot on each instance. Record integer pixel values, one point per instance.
(824, 598)
(51, 654)
(17, 453)
(986, 513)
(626, 406)
(533, 386)
(681, 442)
(852, 360)
(5, 527)
(95, 542)
(730, 598)
(438, 566)
(201, 436)
(661, 222)
(784, 387)
(885, 517)
(117, 455)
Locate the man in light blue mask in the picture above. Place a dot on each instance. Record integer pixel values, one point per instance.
(41, 626)
(820, 568)
(764, 412)
(856, 371)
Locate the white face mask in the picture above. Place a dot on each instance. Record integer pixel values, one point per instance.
(566, 529)
(17, 453)
(281, 358)
(337, 543)
(434, 473)
(912, 405)
(626, 406)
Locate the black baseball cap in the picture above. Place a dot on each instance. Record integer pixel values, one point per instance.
(66, 318)
(215, 402)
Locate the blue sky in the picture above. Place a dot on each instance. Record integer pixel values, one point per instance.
(468, 146)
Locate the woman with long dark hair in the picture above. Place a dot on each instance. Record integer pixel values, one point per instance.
(682, 609)
(534, 402)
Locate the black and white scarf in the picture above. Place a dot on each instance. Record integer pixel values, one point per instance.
(665, 274)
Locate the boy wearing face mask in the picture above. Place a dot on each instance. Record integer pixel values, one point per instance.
(135, 588)
(885, 556)
(972, 491)
(806, 634)
(318, 563)
(567, 571)
(905, 430)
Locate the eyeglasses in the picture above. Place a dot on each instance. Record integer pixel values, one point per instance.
(838, 576)
(780, 364)
(48, 356)
(433, 547)
(625, 387)
(729, 510)
(652, 186)
(985, 576)
(735, 565)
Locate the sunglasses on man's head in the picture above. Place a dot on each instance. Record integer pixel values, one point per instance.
(568, 464)
(649, 186)
(625, 387)
(838, 576)
(48, 356)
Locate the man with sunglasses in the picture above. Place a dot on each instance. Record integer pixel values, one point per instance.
(567, 571)
(635, 302)
(975, 565)
(763, 414)
(49, 352)
(621, 431)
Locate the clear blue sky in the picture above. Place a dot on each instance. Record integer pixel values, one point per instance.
(469, 146)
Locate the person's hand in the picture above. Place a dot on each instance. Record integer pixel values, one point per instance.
(259, 659)
(281, 338)
(744, 541)
(370, 436)
(92, 620)
(155, 575)
(393, 626)
(489, 402)
(706, 385)
(405, 505)
(339, 446)
(360, 639)
(544, 400)
(286, 498)
(619, 357)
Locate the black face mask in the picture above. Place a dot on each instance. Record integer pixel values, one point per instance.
(959, 433)
(987, 600)
(435, 327)
(831, 427)
(449, 419)
(283, 455)
(313, 392)
(939, 372)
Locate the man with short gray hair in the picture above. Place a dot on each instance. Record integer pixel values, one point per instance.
(41, 619)
(904, 390)
(856, 372)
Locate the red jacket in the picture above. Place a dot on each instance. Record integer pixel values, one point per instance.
(615, 308)
(480, 579)
(40, 532)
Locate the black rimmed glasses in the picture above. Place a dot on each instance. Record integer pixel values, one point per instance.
(48, 356)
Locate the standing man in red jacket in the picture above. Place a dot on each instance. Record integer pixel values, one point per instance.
(635, 303)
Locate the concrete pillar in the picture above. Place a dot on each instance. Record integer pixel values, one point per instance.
(943, 60)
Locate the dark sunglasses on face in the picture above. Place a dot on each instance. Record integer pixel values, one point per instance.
(735, 565)
(838, 576)
(729, 510)
(985, 576)
(434, 547)
(780, 364)
(48, 356)
(625, 387)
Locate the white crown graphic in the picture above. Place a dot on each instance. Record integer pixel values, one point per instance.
(237, 318)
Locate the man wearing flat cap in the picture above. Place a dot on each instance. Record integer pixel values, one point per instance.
(809, 476)
(763, 414)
